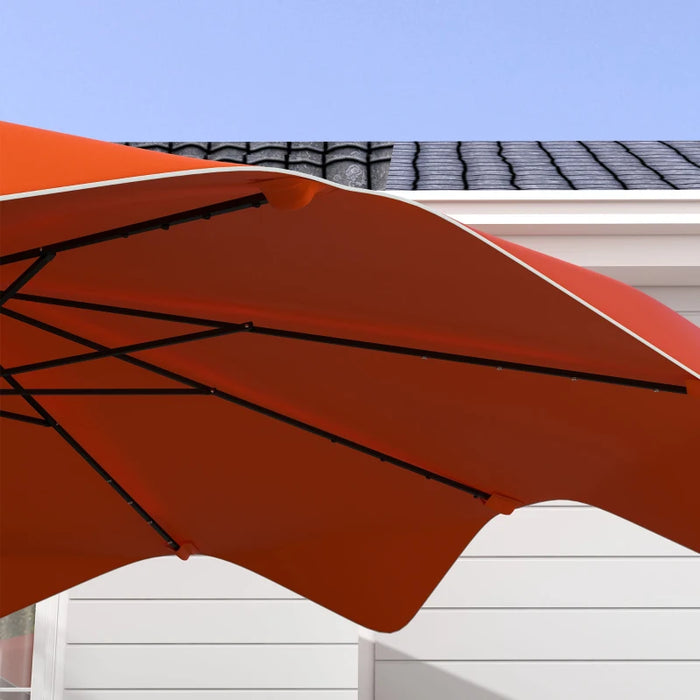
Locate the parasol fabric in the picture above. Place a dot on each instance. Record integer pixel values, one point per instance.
(336, 389)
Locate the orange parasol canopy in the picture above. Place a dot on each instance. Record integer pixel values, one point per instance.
(334, 388)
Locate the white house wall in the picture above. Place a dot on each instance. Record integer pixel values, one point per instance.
(558, 600)
(203, 629)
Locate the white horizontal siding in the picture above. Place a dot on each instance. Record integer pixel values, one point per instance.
(442, 635)
(163, 625)
(170, 577)
(682, 298)
(611, 251)
(205, 621)
(556, 600)
(409, 680)
(211, 666)
(587, 582)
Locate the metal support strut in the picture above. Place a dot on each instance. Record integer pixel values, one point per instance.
(161, 222)
(200, 388)
(213, 328)
(41, 256)
(250, 327)
(49, 420)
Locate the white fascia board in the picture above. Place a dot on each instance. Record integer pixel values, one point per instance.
(527, 207)
(640, 237)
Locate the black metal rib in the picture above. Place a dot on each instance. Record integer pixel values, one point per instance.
(43, 260)
(471, 360)
(225, 329)
(162, 222)
(121, 310)
(366, 345)
(257, 408)
(54, 330)
(77, 447)
(23, 418)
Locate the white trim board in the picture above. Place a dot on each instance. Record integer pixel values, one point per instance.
(640, 237)
(49, 648)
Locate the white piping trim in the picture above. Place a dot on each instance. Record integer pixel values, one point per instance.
(385, 194)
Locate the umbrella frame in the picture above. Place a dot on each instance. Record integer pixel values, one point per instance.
(44, 255)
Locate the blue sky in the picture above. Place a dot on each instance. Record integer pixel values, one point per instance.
(353, 69)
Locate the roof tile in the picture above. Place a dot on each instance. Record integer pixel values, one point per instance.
(545, 165)
(363, 164)
(472, 165)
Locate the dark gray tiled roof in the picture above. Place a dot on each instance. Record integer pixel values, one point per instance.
(544, 165)
(362, 164)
